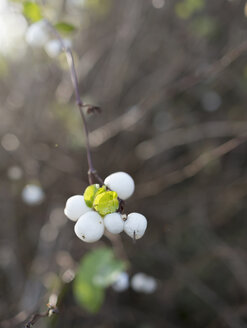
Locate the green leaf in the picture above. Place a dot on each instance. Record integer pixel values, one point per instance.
(100, 191)
(204, 26)
(97, 270)
(89, 194)
(88, 295)
(98, 7)
(4, 69)
(107, 267)
(32, 11)
(106, 202)
(184, 9)
(65, 28)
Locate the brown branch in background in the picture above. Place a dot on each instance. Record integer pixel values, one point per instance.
(117, 245)
(184, 136)
(136, 113)
(184, 277)
(155, 186)
(35, 317)
(209, 72)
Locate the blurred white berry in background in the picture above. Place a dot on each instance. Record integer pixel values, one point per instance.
(76, 207)
(32, 194)
(37, 34)
(135, 225)
(53, 48)
(122, 183)
(211, 101)
(89, 227)
(10, 142)
(114, 223)
(122, 282)
(15, 173)
(143, 283)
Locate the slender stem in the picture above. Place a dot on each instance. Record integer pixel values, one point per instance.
(35, 317)
(70, 59)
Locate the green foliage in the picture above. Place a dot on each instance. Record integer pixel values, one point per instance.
(89, 194)
(100, 191)
(107, 267)
(3, 67)
(204, 26)
(97, 270)
(106, 202)
(98, 7)
(65, 28)
(186, 8)
(88, 295)
(32, 11)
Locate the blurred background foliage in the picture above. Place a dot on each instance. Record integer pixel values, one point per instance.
(170, 77)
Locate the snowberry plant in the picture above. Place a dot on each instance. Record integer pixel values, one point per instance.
(102, 204)
(101, 207)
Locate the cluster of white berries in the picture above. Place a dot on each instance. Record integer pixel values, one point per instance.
(98, 208)
(140, 282)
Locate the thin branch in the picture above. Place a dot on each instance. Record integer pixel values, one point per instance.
(186, 135)
(35, 317)
(184, 277)
(118, 246)
(92, 173)
(151, 188)
(71, 63)
(136, 113)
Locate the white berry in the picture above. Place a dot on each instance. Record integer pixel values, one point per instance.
(135, 225)
(54, 47)
(122, 282)
(76, 207)
(37, 34)
(32, 194)
(122, 183)
(141, 282)
(114, 223)
(89, 227)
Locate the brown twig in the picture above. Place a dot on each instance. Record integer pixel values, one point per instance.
(186, 135)
(92, 109)
(118, 246)
(135, 114)
(92, 173)
(151, 188)
(35, 317)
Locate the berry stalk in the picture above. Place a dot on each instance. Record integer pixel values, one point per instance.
(74, 78)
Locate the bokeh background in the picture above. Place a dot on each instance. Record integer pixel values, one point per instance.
(171, 79)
